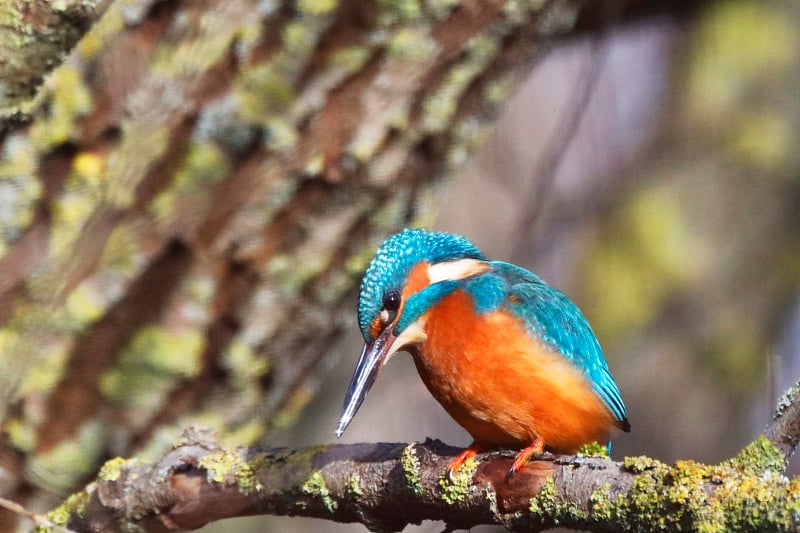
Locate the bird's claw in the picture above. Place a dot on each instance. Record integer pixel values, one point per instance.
(524, 456)
(459, 460)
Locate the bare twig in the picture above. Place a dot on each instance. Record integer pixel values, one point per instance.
(37, 519)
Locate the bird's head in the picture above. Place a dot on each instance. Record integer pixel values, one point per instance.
(410, 273)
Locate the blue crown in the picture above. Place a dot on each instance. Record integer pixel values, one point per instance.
(394, 260)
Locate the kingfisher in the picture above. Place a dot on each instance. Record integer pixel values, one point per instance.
(509, 357)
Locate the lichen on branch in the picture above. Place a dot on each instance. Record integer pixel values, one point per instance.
(388, 486)
(36, 35)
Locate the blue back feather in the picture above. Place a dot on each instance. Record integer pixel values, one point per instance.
(552, 317)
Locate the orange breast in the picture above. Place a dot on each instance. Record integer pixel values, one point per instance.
(504, 387)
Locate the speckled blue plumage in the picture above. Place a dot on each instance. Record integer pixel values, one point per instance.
(552, 317)
(546, 313)
(394, 260)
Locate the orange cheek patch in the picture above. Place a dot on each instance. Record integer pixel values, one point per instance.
(417, 280)
(375, 328)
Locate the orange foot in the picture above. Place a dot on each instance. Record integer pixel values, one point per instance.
(522, 457)
(462, 458)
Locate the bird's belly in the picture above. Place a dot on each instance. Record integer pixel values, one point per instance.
(506, 389)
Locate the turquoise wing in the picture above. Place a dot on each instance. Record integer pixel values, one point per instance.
(552, 317)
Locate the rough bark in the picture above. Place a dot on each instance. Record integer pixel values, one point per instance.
(388, 486)
(35, 36)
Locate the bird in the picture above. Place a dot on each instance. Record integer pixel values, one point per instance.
(510, 358)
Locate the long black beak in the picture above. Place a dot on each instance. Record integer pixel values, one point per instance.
(372, 359)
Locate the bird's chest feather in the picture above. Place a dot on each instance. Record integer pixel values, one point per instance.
(502, 385)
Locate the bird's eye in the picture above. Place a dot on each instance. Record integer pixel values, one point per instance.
(391, 302)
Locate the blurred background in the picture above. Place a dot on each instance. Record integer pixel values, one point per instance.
(652, 174)
(649, 168)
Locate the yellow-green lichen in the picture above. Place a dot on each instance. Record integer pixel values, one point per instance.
(191, 57)
(246, 478)
(763, 138)
(110, 25)
(45, 373)
(244, 363)
(280, 135)
(639, 464)
(498, 90)
(202, 168)
(456, 487)
(122, 255)
(300, 36)
(168, 351)
(314, 165)
(349, 58)
(19, 194)
(354, 486)
(547, 505)
(733, 58)
(85, 304)
(442, 104)
(261, 90)
(69, 100)
(398, 11)
(593, 449)
(519, 12)
(128, 164)
(410, 464)
(316, 7)
(227, 466)
(88, 169)
(745, 494)
(440, 9)
(21, 434)
(759, 456)
(413, 44)
(315, 486)
(70, 215)
(112, 469)
(659, 254)
(154, 360)
(219, 465)
(601, 504)
(11, 16)
(74, 505)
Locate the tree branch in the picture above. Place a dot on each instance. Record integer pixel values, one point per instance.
(387, 486)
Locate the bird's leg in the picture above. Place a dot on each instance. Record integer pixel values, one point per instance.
(463, 457)
(522, 457)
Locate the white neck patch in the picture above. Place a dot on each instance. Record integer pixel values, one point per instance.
(453, 270)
